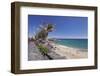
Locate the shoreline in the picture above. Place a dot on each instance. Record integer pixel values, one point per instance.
(57, 52)
(72, 47)
(70, 52)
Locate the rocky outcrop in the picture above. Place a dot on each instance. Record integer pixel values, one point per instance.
(35, 54)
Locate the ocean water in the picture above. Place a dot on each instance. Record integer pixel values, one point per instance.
(76, 43)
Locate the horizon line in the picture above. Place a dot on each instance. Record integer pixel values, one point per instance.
(64, 38)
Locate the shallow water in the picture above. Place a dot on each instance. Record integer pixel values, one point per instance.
(76, 43)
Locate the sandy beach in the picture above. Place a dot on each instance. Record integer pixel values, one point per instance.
(69, 52)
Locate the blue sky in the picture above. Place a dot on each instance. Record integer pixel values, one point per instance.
(65, 26)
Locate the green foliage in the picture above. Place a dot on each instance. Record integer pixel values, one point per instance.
(50, 26)
(43, 32)
(43, 49)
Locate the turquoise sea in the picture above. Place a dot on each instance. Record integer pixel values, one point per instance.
(76, 43)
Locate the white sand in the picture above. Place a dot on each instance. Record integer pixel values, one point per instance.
(69, 52)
